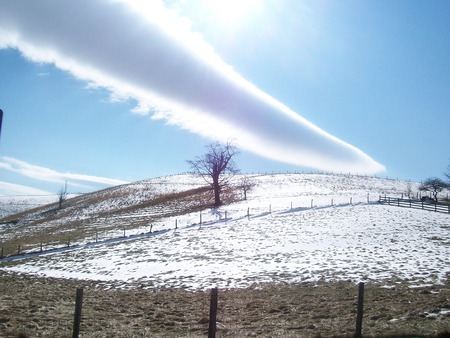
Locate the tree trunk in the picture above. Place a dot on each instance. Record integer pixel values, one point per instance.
(216, 187)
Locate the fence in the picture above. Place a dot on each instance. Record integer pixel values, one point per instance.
(415, 204)
(212, 328)
(122, 232)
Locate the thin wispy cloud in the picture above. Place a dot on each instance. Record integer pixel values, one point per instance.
(11, 189)
(50, 175)
(142, 50)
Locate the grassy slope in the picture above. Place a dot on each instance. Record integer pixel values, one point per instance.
(35, 307)
(44, 307)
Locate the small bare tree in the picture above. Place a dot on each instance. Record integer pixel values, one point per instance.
(246, 185)
(62, 195)
(409, 188)
(216, 166)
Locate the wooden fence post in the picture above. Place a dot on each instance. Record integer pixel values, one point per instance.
(18, 249)
(77, 316)
(359, 316)
(1, 256)
(213, 314)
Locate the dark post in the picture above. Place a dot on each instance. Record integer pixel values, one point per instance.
(1, 119)
(213, 314)
(359, 316)
(77, 317)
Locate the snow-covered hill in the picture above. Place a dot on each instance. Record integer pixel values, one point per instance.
(292, 228)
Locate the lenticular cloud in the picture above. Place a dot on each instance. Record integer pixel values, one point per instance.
(143, 51)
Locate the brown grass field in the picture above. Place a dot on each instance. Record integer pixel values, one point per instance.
(44, 307)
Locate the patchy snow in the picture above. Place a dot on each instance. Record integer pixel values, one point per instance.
(10, 205)
(293, 228)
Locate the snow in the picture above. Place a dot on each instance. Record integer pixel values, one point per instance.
(274, 236)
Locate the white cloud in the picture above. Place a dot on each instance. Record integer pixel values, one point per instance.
(141, 50)
(50, 175)
(11, 189)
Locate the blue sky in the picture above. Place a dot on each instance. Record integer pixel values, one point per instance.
(98, 93)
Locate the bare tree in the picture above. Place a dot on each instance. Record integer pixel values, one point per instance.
(62, 195)
(246, 185)
(409, 188)
(216, 166)
(434, 185)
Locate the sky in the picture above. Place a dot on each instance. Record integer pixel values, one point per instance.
(103, 92)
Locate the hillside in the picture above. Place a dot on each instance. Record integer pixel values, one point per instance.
(286, 260)
(134, 207)
(325, 226)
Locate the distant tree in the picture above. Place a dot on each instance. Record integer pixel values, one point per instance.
(62, 195)
(216, 166)
(246, 185)
(434, 185)
(408, 188)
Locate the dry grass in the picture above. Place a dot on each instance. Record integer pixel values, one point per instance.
(52, 227)
(44, 307)
(37, 307)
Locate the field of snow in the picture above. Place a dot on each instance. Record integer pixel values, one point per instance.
(293, 228)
